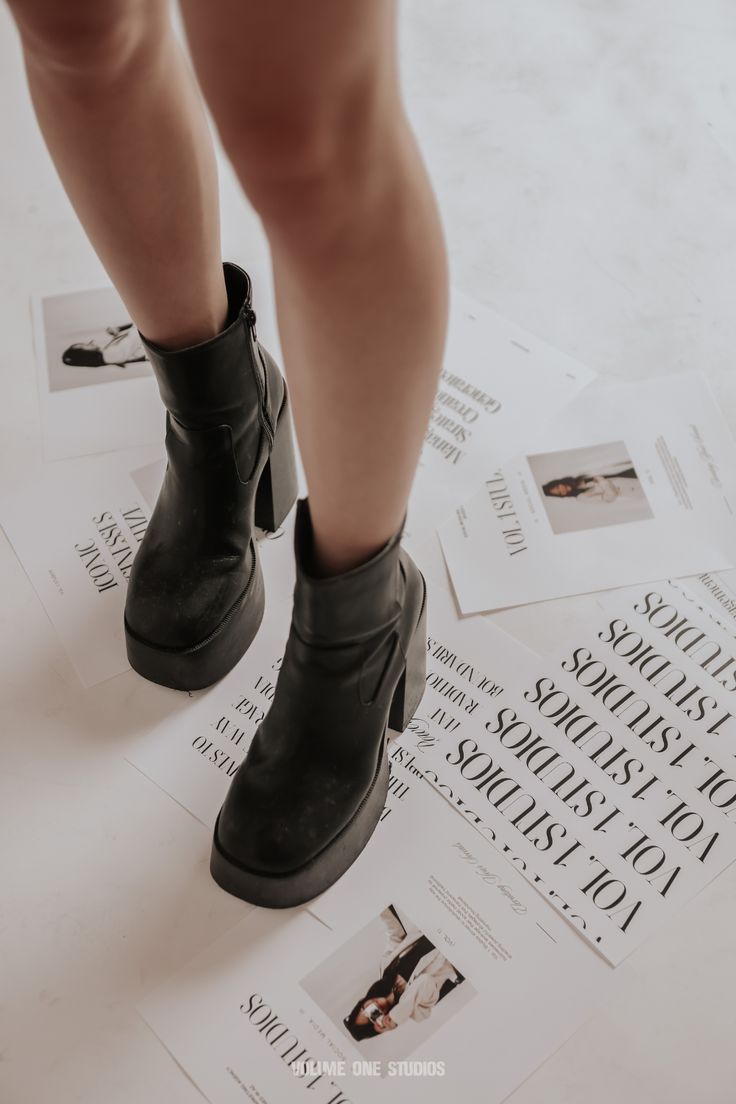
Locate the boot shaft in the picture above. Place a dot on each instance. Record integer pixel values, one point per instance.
(218, 381)
(350, 607)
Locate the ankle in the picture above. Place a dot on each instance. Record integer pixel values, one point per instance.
(184, 333)
(193, 325)
(330, 557)
(332, 545)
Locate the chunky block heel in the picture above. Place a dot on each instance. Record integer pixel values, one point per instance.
(277, 486)
(410, 687)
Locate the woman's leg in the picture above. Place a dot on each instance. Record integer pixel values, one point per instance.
(306, 99)
(124, 124)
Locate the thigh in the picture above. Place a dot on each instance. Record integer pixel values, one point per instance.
(261, 60)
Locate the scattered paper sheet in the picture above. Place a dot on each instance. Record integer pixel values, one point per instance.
(595, 767)
(476, 423)
(95, 386)
(75, 535)
(431, 933)
(632, 482)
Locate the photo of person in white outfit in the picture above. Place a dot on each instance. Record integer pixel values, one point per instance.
(619, 481)
(414, 977)
(120, 345)
(605, 489)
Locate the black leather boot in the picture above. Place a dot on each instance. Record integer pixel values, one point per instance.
(195, 596)
(311, 789)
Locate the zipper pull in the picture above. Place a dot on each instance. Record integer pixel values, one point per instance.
(250, 317)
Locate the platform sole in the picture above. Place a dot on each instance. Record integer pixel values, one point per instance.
(298, 886)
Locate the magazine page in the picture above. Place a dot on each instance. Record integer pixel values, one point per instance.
(599, 779)
(474, 426)
(75, 532)
(633, 482)
(95, 386)
(416, 984)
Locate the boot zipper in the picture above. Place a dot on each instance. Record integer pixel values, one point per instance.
(261, 382)
(263, 415)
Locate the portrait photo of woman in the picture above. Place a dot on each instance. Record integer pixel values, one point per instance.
(389, 987)
(414, 977)
(590, 487)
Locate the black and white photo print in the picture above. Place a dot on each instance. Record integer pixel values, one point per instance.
(90, 340)
(96, 388)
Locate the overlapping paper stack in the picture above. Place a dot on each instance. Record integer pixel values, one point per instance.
(553, 801)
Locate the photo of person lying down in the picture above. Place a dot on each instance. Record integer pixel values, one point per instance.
(413, 976)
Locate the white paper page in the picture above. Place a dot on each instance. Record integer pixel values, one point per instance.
(569, 811)
(88, 408)
(649, 475)
(193, 757)
(75, 534)
(276, 990)
(499, 385)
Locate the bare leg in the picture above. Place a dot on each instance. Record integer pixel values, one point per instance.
(123, 121)
(307, 102)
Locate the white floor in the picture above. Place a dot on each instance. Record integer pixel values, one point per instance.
(584, 152)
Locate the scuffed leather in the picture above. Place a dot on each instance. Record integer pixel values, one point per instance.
(222, 399)
(314, 757)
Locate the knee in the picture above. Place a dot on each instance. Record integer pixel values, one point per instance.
(84, 38)
(307, 163)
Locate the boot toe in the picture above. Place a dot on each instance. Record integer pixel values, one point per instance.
(269, 846)
(181, 609)
(273, 822)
